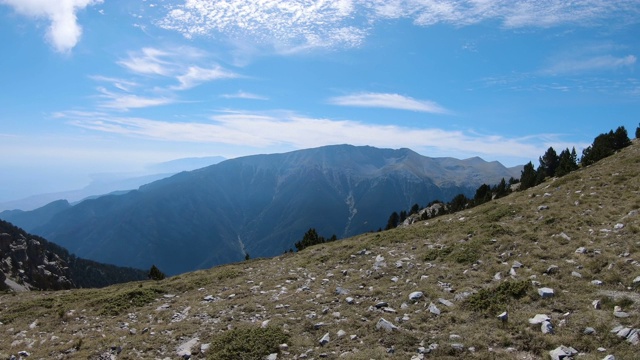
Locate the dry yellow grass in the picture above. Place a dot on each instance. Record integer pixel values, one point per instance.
(444, 258)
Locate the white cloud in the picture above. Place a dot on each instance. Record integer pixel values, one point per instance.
(122, 84)
(390, 101)
(295, 25)
(64, 32)
(148, 61)
(264, 130)
(196, 75)
(124, 102)
(244, 95)
(595, 63)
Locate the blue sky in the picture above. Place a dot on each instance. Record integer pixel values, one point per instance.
(91, 86)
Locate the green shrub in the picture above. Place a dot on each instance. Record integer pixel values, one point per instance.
(120, 302)
(247, 343)
(494, 300)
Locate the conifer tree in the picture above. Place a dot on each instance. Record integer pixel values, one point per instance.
(528, 177)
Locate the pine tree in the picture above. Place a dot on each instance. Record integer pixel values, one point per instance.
(393, 221)
(155, 273)
(620, 138)
(528, 177)
(549, 162)
(567, 163)
(638, 132)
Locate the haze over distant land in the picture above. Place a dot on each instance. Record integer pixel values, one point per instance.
(93, 87)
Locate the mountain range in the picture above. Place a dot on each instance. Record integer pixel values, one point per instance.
(254, 206)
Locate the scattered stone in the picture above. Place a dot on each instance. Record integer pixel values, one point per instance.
(381, 304)
(553, 269)
(596, 282)
(576, 274)
(589, 331)
(621, 314)
(517, 265)
(341, 291)
(543, 207)
(564, 236)
(416, 295)
(353, 337)
(539, 319)
(609, 357)
(204, 348)
(457, 347)
(562, 352)
(497, 276)
(581, 250)
(394, 279)
(546, 327)
(545, 292)
(185, 349)
(504, 317)
(434, 309)
(324, 340)
(273, 356)
(349, 300)
(24, 353)
(445, 302)
(618, 226)
(636, 281)
(341, 333)
(597, 304)
(318, 326)
(385, 325)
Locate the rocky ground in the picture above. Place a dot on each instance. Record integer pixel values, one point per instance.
(551, 272)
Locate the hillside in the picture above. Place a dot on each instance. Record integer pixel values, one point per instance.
(257, 205)
(29, 262)
(577, 235)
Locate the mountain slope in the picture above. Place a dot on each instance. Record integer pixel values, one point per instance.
(29, 262)
(260, 205)
(470, 266)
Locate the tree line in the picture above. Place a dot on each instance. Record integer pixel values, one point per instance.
(551, 164)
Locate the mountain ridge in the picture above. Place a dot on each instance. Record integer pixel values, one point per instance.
(259, 205)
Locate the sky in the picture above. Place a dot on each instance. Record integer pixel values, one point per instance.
(89, 87)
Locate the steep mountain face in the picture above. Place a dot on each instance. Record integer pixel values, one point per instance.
(29, 262)
(261, 205)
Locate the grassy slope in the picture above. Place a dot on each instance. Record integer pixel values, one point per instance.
(464, 250)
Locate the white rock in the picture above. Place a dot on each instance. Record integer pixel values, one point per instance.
(341, 333)
(349, 300)
(618, 226)
(539, 319)
(283, 347)
(581, 250)
(434, 309)
(546, 327)
(596, 304)
(273, 356)
(636, 281)
(609, 357)
(416, 295)
(576, 274)
(445, 302)
(204, 348)
(385, 325)
(597, 282)
(324, 340)
(504, 316)
(545, 292)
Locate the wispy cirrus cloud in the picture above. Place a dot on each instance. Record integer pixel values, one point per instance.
(389, 101)
(64, 32)
(244, 95)
(590, 64)
(124, 102)
(268, 130)
(148, 61)
(196, 75)
(295, 25)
